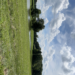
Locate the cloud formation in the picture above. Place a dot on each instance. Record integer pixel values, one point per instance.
(46, 21)
(47, 53)
(57, 5)
(43, 8)
(47, 58)
(55, 25)
(46, 39)
(67, 60)
(70, 20)
(62, 38)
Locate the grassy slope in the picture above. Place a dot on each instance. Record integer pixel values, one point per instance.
(15, 32)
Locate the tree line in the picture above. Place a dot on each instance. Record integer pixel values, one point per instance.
(37, 25)
(37, 57)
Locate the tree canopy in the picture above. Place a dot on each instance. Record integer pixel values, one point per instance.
(37, 26)
(35, 12)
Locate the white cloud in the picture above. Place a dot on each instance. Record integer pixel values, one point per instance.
(46, 21)
(67, 60)
(57, 21)
(62, 38)
(43, 8)
(48, 56)
(55, 25)
(57, 5)
(46, 52)
(53, 31)
(71, 22)
(41, 39)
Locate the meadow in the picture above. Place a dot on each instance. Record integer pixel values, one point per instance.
(15, 54)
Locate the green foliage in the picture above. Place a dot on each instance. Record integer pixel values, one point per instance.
(1, 69)
(36, 72)
(35, 12)
(37, 64)
(37, 26)
(37, 57)
(36, 52)
(36, 44)
(40, 21)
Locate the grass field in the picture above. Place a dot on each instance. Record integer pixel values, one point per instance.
(14, 38)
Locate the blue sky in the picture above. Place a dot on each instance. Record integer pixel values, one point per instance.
(57, 40)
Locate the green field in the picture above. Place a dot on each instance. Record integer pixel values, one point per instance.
(15, 56)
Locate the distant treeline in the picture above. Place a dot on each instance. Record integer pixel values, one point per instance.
(37, 25)
(37, 58)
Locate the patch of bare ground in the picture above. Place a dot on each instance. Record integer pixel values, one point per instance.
(5, 71)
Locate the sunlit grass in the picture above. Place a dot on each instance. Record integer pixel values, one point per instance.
(14, 46)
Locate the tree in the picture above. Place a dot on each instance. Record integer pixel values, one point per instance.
(37, 26)
(36, 51)
(41, 21)
(35, 12)
(36, 72)
(36, 59)
(35, 36)
(37, 45)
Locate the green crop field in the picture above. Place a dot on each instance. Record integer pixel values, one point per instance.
(15, 57)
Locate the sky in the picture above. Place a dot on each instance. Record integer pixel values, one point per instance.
(57, 40)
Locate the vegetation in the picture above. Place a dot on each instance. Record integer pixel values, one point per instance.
(37, 57)
(14, 38)
(35, 12)
(37, 25)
